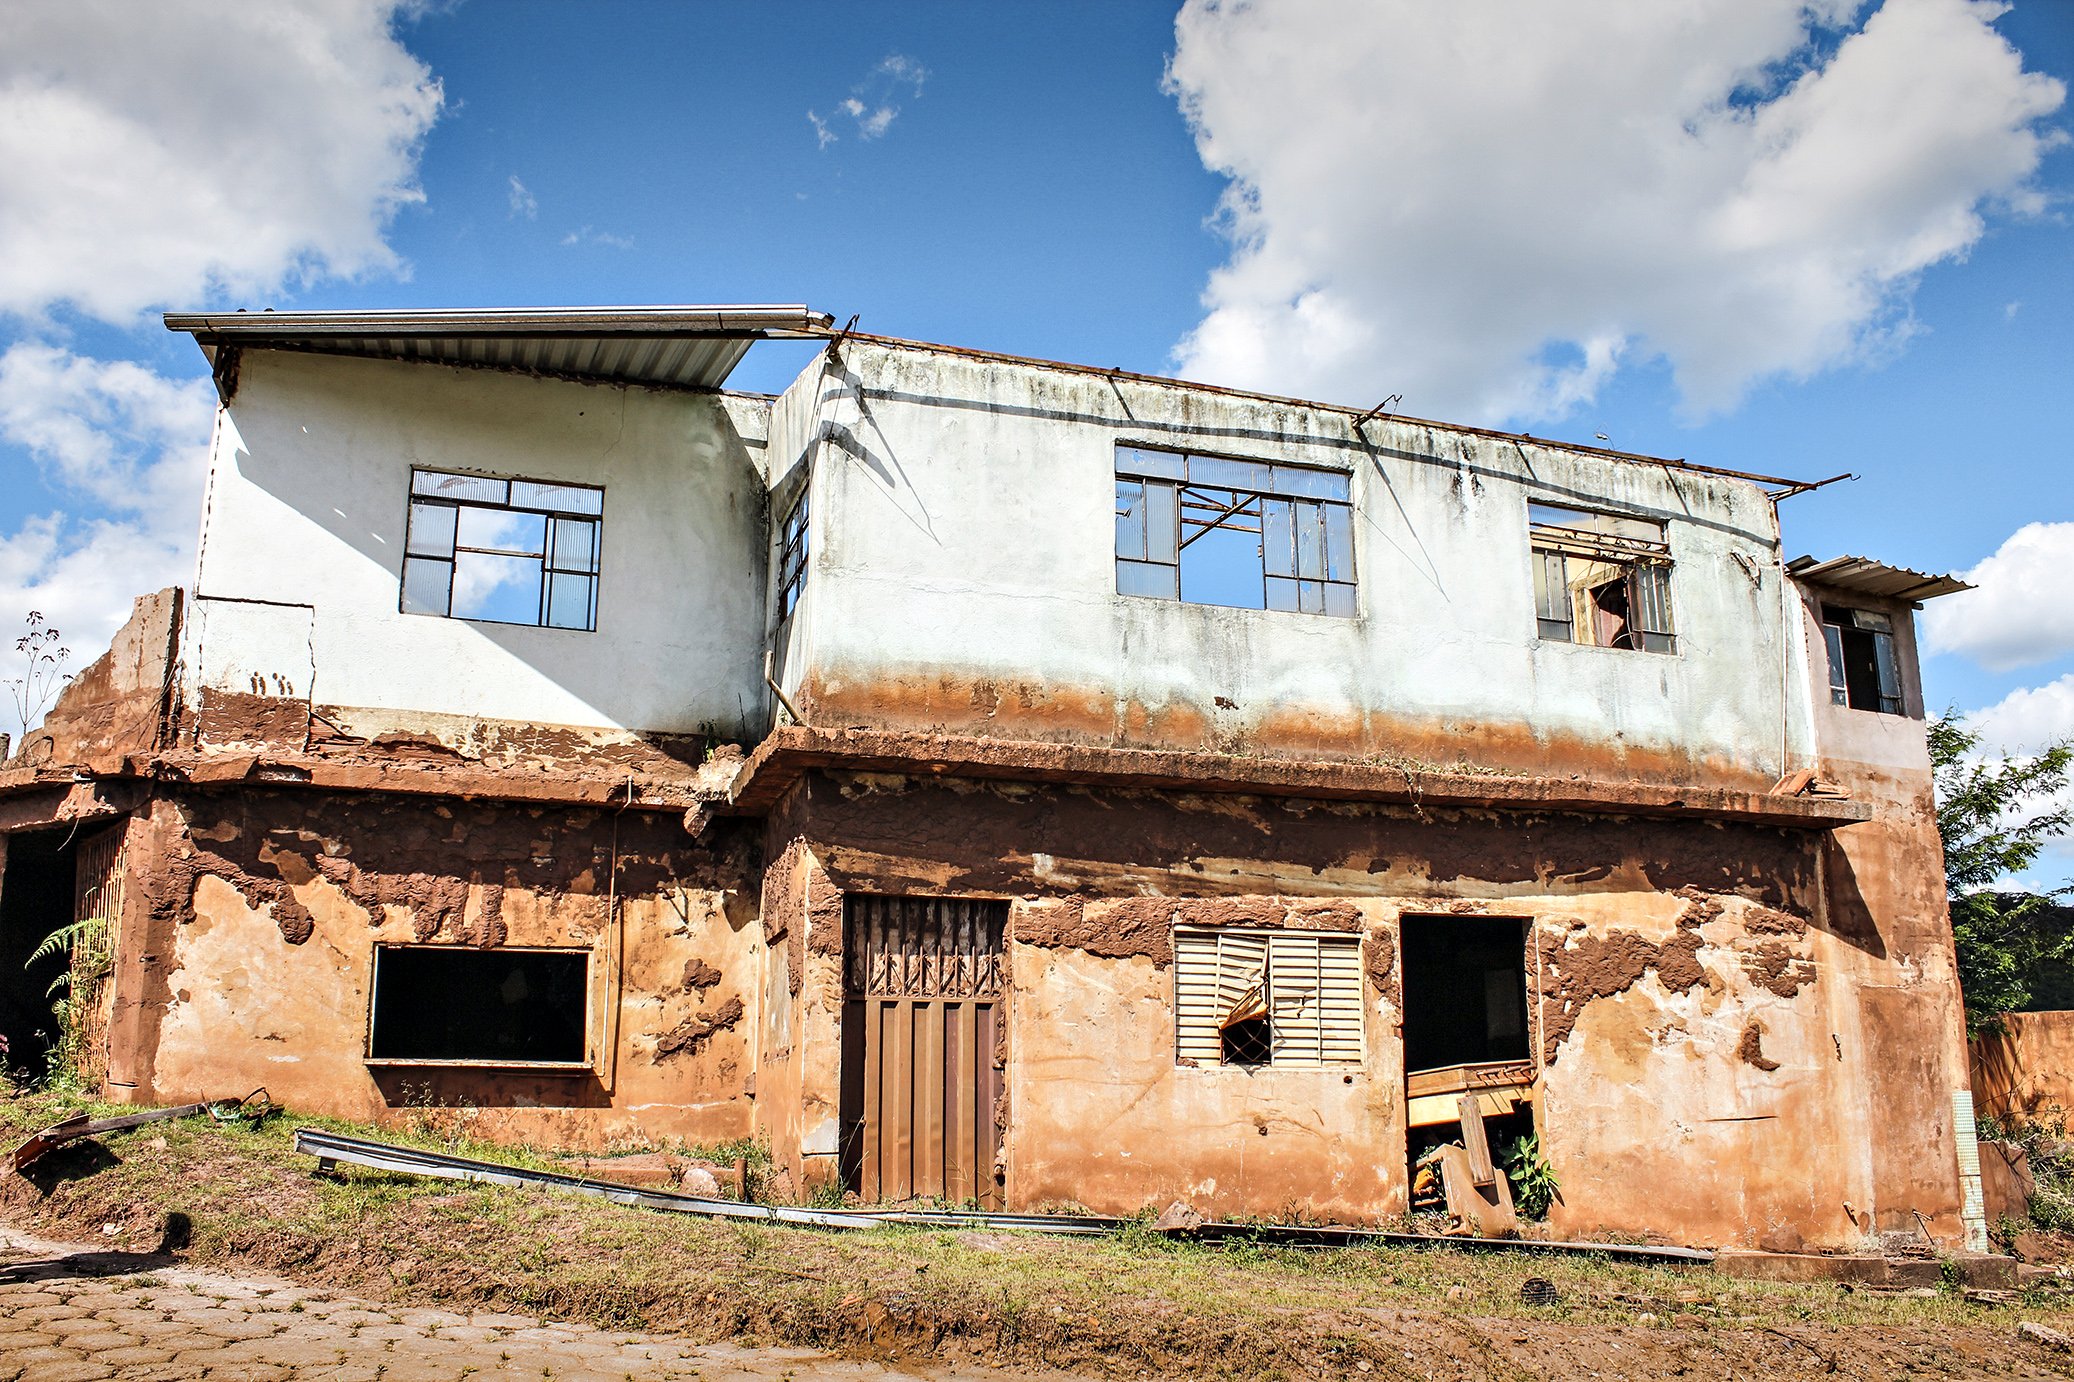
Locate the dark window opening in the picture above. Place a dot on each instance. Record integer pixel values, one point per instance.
(493, 1007)
(1601, 579)
(1863, 672)
(1207, 530)
(1247, 1042)
(503, 551)
(1465, 991)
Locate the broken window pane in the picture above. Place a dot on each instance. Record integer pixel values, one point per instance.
(1234, 532)
(1600, 579)
(1864, 671)
(492, 549)
(1130, 519)
(495, 588)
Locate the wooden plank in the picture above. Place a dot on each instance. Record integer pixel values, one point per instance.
(961, 1100)
(872, 1179)
(1476, 1140)
(1485, 1211)
(929, 1098)
(990, 1190)
(897, 1102)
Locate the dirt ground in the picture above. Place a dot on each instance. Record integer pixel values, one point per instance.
(242, 1201)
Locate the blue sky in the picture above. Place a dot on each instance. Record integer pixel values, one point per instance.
(1795, 239)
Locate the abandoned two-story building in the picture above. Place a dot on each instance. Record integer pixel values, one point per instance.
(1005, 781)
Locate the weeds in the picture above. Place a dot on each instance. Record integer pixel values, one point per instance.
(1534, 1186)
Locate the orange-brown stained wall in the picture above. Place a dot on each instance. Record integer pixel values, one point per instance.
(1702, 1009)
(250, 925)
(2025, 1068)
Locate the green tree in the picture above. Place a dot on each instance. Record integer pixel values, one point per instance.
(1996, 814)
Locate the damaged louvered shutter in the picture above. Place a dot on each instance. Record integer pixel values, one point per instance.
(1293, 999)
(1313, 993)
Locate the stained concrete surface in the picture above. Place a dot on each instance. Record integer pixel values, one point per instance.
(72, 1313)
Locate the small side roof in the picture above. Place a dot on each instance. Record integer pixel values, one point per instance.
(683, 346)
(1864, 576)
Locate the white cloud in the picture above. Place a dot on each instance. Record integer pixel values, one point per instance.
(132, 442)
(523, 202)
(2019, 614)
(870, 104)
(1491, 208)
(168, 152)
(2027, 720)
(585, 235)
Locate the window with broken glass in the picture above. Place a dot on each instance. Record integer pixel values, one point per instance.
(792, 556)
(1246, 534)
(1267, 998)
(1863, 672)
(503, 551)
(1601, 579)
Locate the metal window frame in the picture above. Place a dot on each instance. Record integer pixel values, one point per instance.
(551, 563)
(1245, 510)
(1651, 620)
(588, 1065)
(793, 552)
(1886, 657)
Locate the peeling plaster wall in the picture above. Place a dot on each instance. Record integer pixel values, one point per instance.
(1106, 1117)
(249, 934)
(304, 529)
(1703, 1002)
(963, 577)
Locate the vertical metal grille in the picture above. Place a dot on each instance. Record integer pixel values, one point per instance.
(924, 947)
(96, 913)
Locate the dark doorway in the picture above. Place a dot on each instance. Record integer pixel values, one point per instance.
(36, 899)
(1465, 991)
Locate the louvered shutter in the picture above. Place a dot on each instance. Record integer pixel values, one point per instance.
(1339, 1000)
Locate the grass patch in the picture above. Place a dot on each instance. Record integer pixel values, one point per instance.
(1134, 1302)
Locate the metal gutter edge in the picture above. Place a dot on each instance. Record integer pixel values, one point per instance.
(330, 1148)
(718, 319)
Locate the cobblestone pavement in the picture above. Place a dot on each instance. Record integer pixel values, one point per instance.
(70, 1313)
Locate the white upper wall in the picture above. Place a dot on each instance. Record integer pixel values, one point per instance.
(307, 505)
(962, 576)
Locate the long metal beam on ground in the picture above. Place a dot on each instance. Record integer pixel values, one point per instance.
(330, 1147)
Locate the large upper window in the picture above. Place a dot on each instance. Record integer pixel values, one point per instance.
(1862, 671)
(503, 551)
(1267, 998)
(1248, 534)
(1601, 579)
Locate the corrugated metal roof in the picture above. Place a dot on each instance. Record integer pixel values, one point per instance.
(1868, 577)
(696, 347)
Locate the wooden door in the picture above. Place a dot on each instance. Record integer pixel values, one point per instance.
(921, 1072)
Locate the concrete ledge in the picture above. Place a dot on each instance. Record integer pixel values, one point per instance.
(792, 750)
(1977, 1269)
